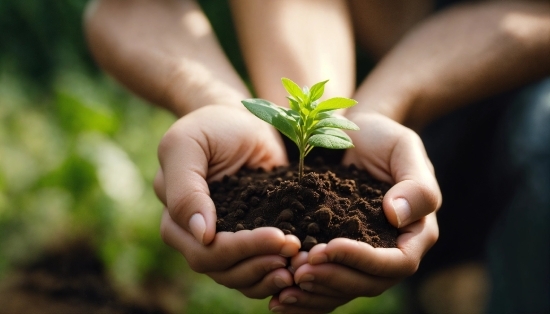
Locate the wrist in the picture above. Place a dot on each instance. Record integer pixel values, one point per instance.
(387, 100)
(185, 93)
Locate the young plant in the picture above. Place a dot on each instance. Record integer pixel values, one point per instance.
(309, 122)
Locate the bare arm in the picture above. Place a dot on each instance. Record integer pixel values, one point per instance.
(457, 57)
(305, 40)
(163, 50)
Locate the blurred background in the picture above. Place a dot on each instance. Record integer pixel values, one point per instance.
(79, 221)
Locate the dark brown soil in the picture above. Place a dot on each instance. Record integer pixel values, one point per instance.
(330, 202)
(68, 279)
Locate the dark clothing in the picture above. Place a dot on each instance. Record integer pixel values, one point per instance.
(492, 162)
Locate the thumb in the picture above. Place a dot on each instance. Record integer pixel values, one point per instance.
(184, 167)
(416, 192)
(408, 201)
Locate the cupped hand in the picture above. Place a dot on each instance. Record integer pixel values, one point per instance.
(204, 146)
(395, 154)
(332, 274)
(335, 273)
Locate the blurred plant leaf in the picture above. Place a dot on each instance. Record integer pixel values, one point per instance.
(76, 116)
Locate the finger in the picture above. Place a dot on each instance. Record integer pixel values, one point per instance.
(184, 164)
(158, 185)
(271, 284)
(396, 154)
(298, 260)
(228, 248)
(416, 193)
(294, 300)
(248, 272)
(400, 262)
(416, 239)
(350, 283)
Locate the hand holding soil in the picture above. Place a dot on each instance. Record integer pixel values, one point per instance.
(393, 153)
(320, 206)
(217, 140)
(326, 206)
(203, 145)
(361, 269)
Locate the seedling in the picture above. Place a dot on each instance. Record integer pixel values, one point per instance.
(309, 122)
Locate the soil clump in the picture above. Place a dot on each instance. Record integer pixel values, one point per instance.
(330, 202)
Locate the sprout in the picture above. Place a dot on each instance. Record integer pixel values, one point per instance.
(308, 123)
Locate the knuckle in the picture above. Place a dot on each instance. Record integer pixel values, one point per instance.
(410, 267)
(254, 293)
(224, 281)
(167, 141)
(431, 197)
(433, 237)
(411, 137)
(196, 265)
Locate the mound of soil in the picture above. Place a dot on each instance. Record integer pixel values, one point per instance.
(330, 202)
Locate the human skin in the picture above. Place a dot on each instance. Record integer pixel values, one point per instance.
(164, 51)
(193, 152)
(279, 40)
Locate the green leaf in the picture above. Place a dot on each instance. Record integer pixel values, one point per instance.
(329, 141)
(317, 91)
(294, 105)
(335, 103)
(291, 113)
(273, 115)
(339, 123)
(293, 89)
(333, 132)
(325, 114)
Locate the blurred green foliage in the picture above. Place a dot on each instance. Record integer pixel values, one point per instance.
(78, 158)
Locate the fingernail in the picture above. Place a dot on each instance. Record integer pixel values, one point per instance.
(197, 226)
(277, 309)
(277, 265)
(402, 210)
(279, 282)
(318, 259)
(307, 286)
(291, 269)
(289, 300)
(287, 251)
(291, 246)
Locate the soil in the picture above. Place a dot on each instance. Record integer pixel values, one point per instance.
(68, 279)
(330, 202)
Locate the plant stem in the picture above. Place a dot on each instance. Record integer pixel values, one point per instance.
(301, 167)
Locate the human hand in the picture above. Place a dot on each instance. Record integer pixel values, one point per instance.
(204, 146)
(394, 154)
(332, 274)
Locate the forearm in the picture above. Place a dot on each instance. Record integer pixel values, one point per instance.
(306, 41)
(457, 57)
(163, 50)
